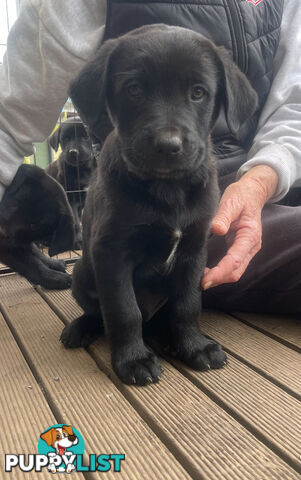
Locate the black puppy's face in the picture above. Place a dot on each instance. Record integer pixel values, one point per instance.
(74, 141)
(163, 88)
(163, 104)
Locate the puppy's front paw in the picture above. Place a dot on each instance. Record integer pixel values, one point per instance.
(78, 245)
(200, 352)
(54, 280)
(78, 241)
(58, 265)
(141, 369)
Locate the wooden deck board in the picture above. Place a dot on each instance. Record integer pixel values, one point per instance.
(283, 328)
(24, 411)
(238, 423)
(196, 412)
(82, 395)
(276, 361)
(264, 408)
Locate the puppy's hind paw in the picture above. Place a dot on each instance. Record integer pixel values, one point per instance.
(143, 370)
(81, 332)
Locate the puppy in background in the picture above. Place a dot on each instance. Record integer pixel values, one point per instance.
(150, 204)
(35, 209)
(73, 167)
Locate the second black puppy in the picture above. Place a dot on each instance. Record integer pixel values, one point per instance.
(149, 207)
(73, 167)
(35, 209)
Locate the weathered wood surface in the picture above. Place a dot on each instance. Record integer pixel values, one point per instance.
(241, 422)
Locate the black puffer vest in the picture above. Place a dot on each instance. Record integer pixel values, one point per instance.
(250, 33)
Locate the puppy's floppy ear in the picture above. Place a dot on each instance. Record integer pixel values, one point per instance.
(48, 436)
(54, 139)
(88, 90)
(240, 99)
(16, 192)
(8, 205)
(24, 172)
(68, 429)
(63, 237)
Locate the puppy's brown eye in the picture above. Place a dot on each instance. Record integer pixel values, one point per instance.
(134, 90)
(197, 92)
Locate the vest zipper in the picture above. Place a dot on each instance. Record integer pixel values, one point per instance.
(238, 37)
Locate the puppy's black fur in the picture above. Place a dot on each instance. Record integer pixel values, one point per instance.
(150, 204)
(73, 167)
(35, 209)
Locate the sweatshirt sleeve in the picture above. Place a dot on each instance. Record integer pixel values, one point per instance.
(278, 139)
(46, 47)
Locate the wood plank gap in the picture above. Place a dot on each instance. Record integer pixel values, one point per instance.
(5, 271)
(265, 332)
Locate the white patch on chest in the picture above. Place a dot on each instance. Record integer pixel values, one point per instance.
(177, 235)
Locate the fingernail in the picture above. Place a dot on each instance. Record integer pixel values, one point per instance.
(222, 226)
(207, 285)
(220, 223)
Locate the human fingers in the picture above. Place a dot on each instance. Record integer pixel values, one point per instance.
(229, 210)
(235, 262)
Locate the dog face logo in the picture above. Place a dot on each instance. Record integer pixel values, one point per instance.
(60, 438)
(255, 2)
(61, 443)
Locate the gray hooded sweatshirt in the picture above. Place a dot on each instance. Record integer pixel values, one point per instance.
(53, 39)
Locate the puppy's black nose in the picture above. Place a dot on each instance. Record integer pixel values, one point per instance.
(73, 153)
(168, 143)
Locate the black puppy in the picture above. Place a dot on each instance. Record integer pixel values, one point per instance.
(150, 204)
(35, 209)
(73, 167)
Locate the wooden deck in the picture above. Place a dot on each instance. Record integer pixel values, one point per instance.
(242, 422)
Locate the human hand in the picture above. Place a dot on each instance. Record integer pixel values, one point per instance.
(239, 219)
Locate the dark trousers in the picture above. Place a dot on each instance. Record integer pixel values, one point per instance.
(272, 281)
